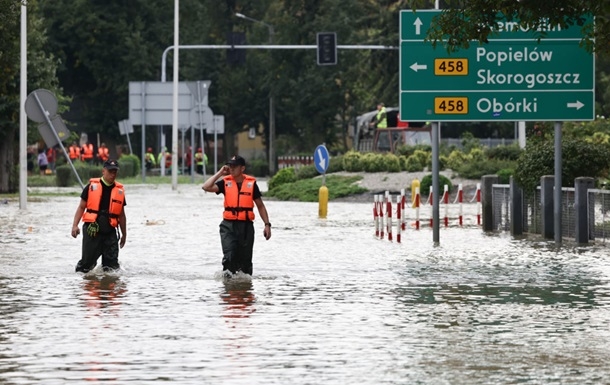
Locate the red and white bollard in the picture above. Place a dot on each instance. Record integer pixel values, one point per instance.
(431, 203)
(376, 216)
(416, 204)
(380, 212)
(477, 196)
(388, 202)
(399, 203)
(446, 203)
(459, 199)
(403, 199)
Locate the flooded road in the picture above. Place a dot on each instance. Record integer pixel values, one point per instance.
(328, 302)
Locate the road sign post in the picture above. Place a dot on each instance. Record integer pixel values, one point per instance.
(515, 77)
(321, 159)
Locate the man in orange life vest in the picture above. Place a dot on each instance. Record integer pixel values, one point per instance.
(87, 153)
(101, 209)
(241, 193)
(74, 152)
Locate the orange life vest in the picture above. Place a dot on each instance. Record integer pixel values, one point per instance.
(239, 205)
(87, 151)
(74, 152)
(117, 200)
(102, 153)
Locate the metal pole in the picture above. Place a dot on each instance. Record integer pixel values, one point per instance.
(435, 183)
(23, 122)
(558, 184)
(175, 100)
(143, 98)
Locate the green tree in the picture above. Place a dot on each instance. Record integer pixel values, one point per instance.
(465, 21)
(580, 158)
(41, 74)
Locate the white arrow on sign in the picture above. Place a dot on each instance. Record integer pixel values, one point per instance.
(578, 105)
(415, 67)
(417, 23)
(322, 161)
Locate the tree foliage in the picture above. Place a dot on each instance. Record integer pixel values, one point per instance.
(41, 74)
(580, 158)
(464, 21)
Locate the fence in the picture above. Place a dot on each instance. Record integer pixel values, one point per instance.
(598, 208)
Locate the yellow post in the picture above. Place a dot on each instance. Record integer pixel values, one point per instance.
(414, 186)
(322, 201)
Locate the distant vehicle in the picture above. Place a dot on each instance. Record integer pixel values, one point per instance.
(398, 133)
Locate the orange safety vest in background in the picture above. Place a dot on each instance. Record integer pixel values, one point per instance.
(87, 151)
(117, 200)
(74, 152)
(102, 153)
(239, 205)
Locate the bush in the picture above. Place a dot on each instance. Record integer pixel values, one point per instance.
(456, 159)
(475, 170)
(283, 176)
(392, 163)
(130, 165)
(257, 167)
(579, 158)
(335, 164)
(511, 152)
(352, 161)
(63, 176)
(412, 164)
(306, 172)
(372, 162)
(504, 175)
(426, 182)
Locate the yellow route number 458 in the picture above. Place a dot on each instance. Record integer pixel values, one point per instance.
(451, 105)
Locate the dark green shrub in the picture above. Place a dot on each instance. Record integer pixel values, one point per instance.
(129, 159)
(475, 170)
(426, 182)
(258, 167)
(412, 164)
(283, 176)
(392, 163)
(306, 172)
(504, 175)
(335, 164)
(352, 161)
(511, 152)
(373, 162)
(579, 158)
(63, 176)
(127, 170)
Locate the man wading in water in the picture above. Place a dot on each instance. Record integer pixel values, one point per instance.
(241, 193)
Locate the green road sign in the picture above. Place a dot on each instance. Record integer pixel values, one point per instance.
(452, 106)
(552, 79)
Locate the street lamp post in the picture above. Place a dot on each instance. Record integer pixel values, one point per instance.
(271, 104)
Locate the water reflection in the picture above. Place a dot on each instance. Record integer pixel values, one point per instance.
(238, 298)
(104, 293)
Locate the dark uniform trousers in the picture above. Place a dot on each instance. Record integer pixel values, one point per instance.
(237, 239)
(105, 244)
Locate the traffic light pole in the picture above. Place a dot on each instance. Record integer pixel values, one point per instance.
(271, 101)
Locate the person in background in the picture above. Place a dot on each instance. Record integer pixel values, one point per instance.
(102, 210)
(102, 153)
(149, 159)
(201, 160)
(188, 160)
(241, 194)
(74, 152)
(87, 153)
(43, 162)
(51, 158)
(381, 119)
